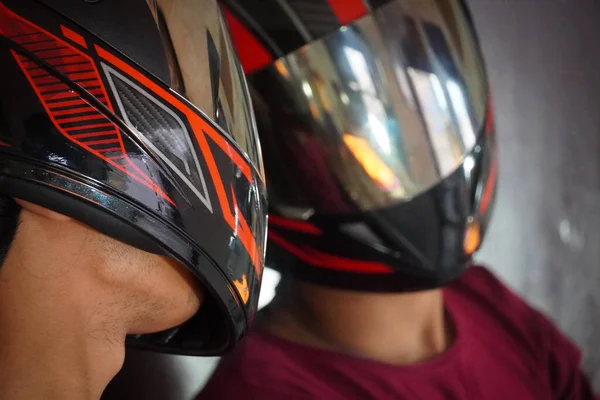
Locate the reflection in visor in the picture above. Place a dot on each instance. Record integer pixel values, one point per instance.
(447, 149)
(196, 51)
(391, 105)
(373, 165)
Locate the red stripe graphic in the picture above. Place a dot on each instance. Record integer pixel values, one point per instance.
(95, 116)
(44, 80)
(73, 36)
(318, 259)
(102, 125)
(490, 186)
(294, 225)
(58, 87)
(82, 108)
(68, 103)
(489, 118)
(57, 60)
(73, 63)
(348, 11)
(111, 149)
(253, 55)
(4, 144)
(93, 134)
(82, 75)
(44, 45)
(104, 141)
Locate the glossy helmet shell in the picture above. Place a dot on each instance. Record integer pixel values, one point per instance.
(114, 118)
(376, 123)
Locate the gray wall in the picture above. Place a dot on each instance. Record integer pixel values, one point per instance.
(544, 63)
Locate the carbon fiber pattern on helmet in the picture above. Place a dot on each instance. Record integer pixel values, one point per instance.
(147, 117)
(162, 131)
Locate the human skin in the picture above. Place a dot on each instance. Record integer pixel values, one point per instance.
(69, 295)
(394, 328)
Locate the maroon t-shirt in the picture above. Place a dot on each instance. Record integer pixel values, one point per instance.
(503, 350)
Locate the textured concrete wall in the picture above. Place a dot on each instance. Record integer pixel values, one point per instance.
(544, 64)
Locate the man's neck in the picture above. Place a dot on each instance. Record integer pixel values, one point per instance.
(393, 328)
(53, 350)
(57, 338)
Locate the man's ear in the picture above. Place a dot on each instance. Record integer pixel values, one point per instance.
(41, 211)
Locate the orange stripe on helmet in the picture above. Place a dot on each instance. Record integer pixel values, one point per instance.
(201, 129)
(242, 288)
(233, 155)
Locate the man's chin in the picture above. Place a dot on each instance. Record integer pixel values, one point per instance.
(165, 319)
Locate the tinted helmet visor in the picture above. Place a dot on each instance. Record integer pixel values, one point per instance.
(379, 134)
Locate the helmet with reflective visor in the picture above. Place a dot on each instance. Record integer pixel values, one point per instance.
(376, 124)
(138, 123)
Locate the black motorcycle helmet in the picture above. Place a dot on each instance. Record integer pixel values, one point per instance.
(376, 123)
(137, 122)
